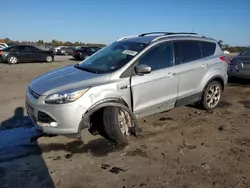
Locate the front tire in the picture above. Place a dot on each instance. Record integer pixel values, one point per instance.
(12, 60)
(117, 125)
(211, 96)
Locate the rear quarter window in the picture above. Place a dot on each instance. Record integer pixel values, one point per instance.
(208, 48)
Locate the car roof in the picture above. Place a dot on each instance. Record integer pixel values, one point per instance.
(148, 37)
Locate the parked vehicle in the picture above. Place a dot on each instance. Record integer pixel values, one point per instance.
(64, 50)
(3, 45)
(239, 66)
(84, 52)
(25, 53)
(133, 77)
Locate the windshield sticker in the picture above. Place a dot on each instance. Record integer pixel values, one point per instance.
(129, 52)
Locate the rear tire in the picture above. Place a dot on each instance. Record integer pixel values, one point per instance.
(12, 60)
(114, 127)
(49, 59)
(211, 96)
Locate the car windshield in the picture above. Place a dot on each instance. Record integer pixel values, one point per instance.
(112, 57)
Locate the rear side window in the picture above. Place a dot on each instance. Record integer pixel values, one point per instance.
(208, 48)
(189, 50)
(15, 48)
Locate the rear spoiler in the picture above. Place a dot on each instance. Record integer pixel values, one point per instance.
(220, 42)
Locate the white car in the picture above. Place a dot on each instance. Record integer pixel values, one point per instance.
(3, 45)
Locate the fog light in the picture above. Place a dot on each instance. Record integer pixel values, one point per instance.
(53, 124)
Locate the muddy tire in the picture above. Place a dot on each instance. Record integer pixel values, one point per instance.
(211, 96)
(112, 125)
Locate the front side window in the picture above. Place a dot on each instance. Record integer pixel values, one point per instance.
(112, 57)
(189, 50)
(159, 57)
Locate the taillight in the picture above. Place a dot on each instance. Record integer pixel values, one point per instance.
(1, 52)
(224, 58)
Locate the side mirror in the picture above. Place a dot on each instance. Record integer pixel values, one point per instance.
(142, 69)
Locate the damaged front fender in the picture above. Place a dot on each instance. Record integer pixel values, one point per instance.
(86, 119)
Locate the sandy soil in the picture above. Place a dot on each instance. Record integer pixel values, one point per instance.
(183, 148)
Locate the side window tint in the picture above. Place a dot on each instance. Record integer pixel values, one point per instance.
(208, 48)
(189, 51)
(28, 49)
(14, 49)
(159, 57)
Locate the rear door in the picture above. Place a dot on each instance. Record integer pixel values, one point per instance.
(156, 91)
(24, 53)
(35, 53)
(191, 68)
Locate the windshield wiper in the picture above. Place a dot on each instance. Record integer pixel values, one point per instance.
(85, 69)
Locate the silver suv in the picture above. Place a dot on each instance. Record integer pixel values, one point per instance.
(133, 77)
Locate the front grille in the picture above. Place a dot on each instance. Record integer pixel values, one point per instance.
(44, 118)
(34, 94)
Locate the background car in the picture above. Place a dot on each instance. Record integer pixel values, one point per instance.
(25, 53)
(239, 66)
(64, 50)
(84, 52)
(3, 45)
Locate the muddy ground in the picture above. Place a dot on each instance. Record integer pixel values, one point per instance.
(184, 148)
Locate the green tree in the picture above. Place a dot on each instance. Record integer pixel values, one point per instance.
(40, 42)
(7, 40)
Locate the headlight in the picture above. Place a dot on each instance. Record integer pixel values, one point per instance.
(64, 97)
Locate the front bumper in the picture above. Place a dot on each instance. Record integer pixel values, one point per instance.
(62, 119)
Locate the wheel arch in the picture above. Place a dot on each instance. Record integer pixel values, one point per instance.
(115, 102)
(215, 78)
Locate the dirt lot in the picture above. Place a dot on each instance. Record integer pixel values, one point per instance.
(184, 148)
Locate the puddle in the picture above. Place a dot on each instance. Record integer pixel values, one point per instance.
(246, 104)
(224, 104)
(98, 148)
(15, 144)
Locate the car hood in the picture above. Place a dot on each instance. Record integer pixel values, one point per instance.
(66, 78)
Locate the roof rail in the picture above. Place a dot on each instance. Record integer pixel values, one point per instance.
(165, 33)
(131, 36)
(152, 33)
(179, 34)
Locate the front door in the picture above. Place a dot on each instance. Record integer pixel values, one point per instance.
(36, 54)
(156, 91)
